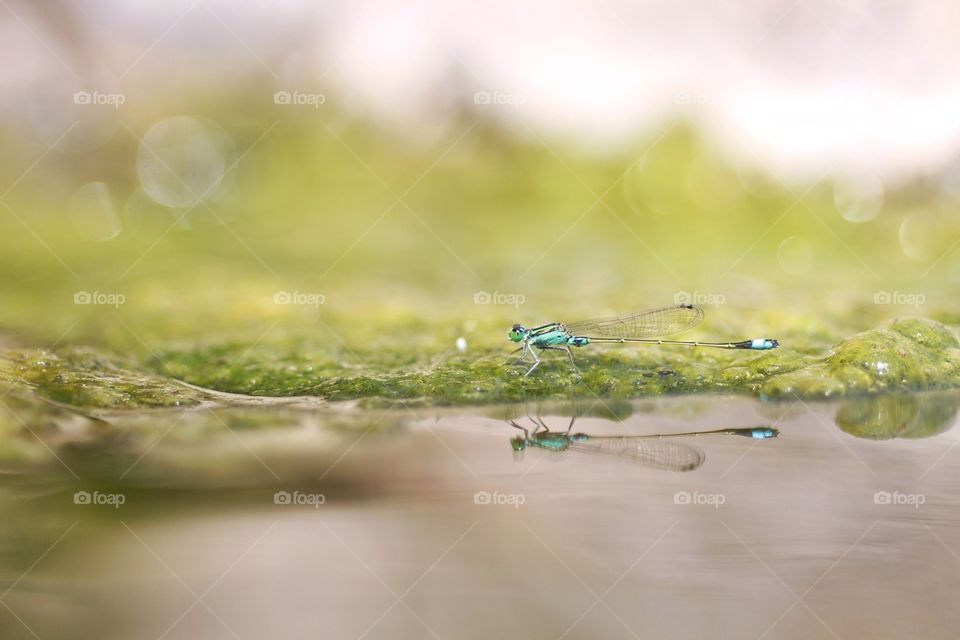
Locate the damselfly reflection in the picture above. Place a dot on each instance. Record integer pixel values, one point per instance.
(657, 451)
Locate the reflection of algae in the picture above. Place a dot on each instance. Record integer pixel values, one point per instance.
(189, 447)
(899, 415)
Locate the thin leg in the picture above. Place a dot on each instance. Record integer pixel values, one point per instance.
(570, 355)
(573, 418)
(526, 435)
(539, 425)
(522, 356)
(540, 421)
(536, 362)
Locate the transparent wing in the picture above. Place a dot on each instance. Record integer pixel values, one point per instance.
(658, 454)
(652, 323)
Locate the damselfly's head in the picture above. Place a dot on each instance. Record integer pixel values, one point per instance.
(518, 443)
(517, 333)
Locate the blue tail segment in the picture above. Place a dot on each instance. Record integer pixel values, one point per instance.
(758, 344)
(760, 433)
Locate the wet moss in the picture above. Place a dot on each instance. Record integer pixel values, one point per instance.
(905, 354)
(901, 355)
(89, 378)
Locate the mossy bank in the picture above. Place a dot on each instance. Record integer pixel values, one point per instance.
(900, 355)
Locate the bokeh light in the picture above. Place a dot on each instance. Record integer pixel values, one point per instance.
(182, 160)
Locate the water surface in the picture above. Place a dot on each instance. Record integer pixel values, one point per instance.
(415, 524)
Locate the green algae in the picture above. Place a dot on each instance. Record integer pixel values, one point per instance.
(487, 378)
(908, 354)
(905, 354)
(91, 378)
(902, 355)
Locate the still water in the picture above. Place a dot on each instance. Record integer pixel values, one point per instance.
(425, 523)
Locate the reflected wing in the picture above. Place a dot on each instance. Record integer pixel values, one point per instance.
(658, 454)
(652, 323)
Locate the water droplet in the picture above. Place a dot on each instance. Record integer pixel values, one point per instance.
(858, 198)
(92, 212)
(795, 255)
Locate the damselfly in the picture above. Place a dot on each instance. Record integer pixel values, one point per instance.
(655, 450)
(646, 327)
